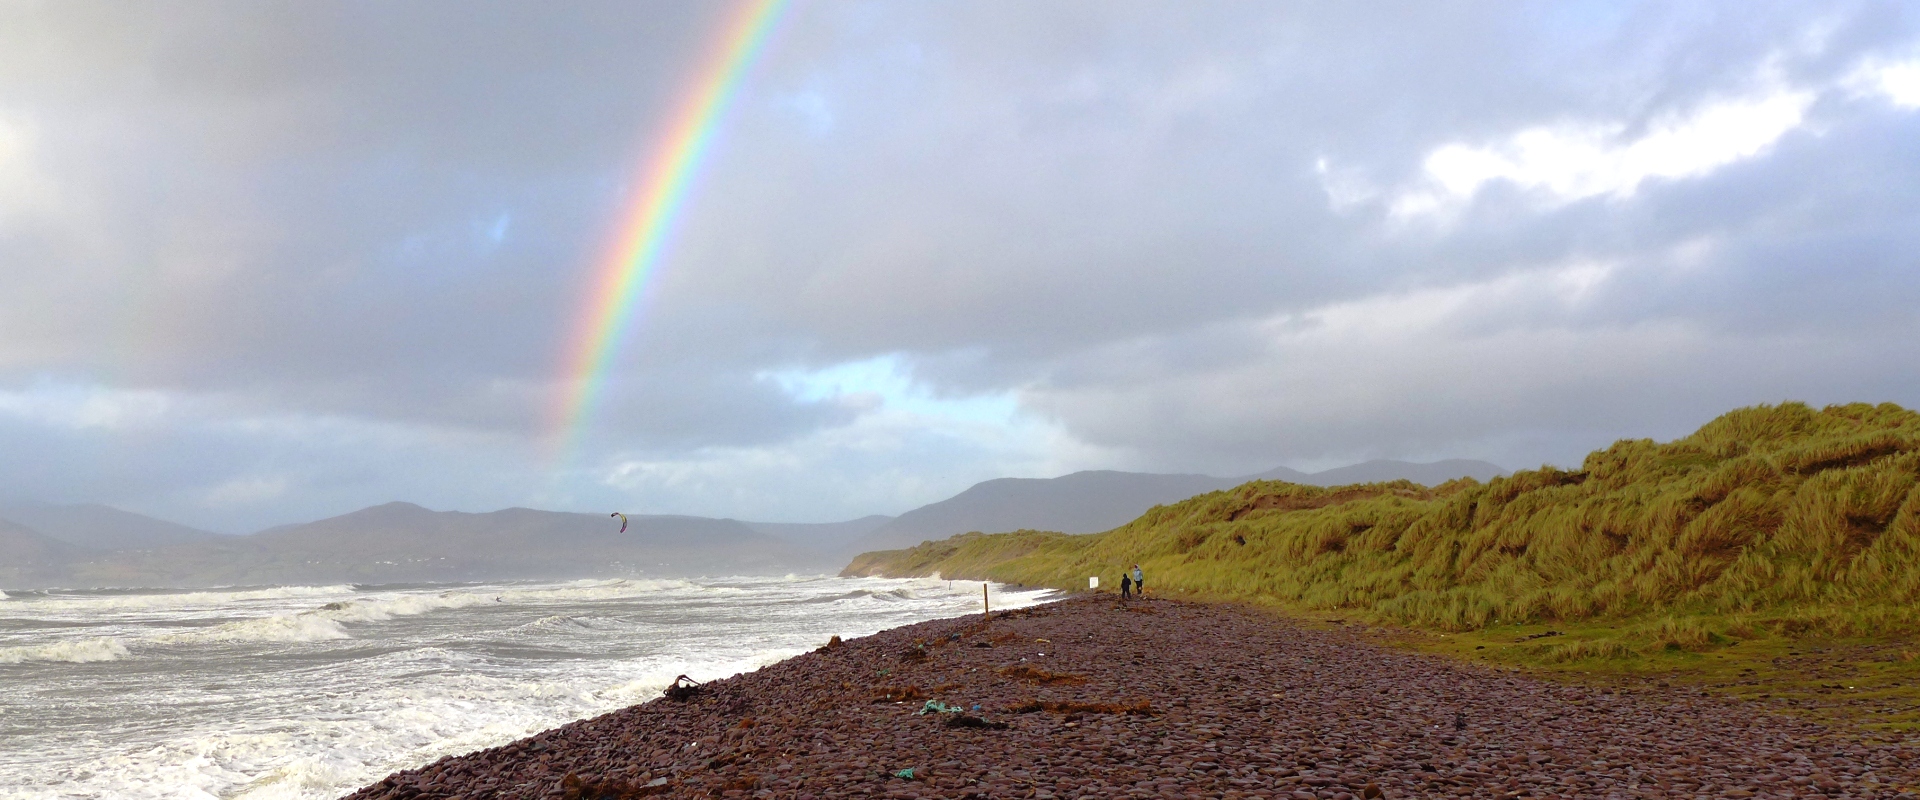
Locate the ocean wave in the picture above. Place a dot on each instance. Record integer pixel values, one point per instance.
(836, 598)
(423, 687)
(165, 600)
(74, 651)
(883, 595)
(563, 623)
(325, 622)
(290, 628)
(599, 590)
(381, 609)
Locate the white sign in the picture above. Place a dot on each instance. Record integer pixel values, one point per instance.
(1093, 581)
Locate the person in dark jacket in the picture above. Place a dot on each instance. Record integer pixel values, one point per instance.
(1126, 586)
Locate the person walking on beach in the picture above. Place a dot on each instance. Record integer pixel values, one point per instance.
(1126, 586)
(1139, 581)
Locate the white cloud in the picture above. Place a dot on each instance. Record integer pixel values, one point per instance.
(886, 382)
(885, 461)
(907, 446)
(25, 187)
(245, 491)
(87, 407)
(1898, 82)
(209, 459)
(1574, 161)
(813, 109)
(1466, 371)
(1389, 319)
(1346, 188)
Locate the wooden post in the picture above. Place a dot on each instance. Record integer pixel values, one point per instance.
(985, 609)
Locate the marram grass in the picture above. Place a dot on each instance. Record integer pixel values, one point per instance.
(1781, 520)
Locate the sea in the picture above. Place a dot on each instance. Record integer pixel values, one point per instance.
(282, 692)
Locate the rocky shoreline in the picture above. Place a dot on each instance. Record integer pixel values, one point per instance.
(1091, 698)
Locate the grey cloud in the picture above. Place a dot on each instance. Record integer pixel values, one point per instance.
(383, 218)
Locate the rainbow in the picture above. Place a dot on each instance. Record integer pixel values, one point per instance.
(621, 277)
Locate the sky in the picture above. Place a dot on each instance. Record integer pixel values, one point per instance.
(265, 262)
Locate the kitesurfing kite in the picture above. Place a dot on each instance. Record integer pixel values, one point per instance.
(623, 521)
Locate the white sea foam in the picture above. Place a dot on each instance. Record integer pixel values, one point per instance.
(75, 651)
(175, 600)
(442, 671)
(603, 590)
(384, 608)
(287, 628)
(327, 622)
(380, 608)
(562, 622)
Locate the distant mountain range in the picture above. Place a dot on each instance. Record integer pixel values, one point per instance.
(1083, 502)
(97, 527)
(824, 537)
(1100, 500)
(30, 558)
(1382, 470)
(94, 545)
(402, 542)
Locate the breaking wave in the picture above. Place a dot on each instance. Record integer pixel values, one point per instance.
(135, 601)
(77, 651)
(288, 628)
(225, 701)
(563, 622)
(600, 590)
(326, 622)
(885, 595)
(381, 609)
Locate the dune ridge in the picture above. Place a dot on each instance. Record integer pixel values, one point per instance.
(1769, 519)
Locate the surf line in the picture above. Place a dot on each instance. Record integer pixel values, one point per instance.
(622, 274)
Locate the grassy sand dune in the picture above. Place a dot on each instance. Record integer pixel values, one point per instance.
(1769, 526)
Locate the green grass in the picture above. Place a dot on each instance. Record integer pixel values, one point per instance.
(1767, 529)
(1868, 684)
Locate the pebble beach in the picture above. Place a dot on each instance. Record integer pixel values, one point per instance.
(1089, 697)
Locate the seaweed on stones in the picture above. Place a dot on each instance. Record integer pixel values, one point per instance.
(683, 689)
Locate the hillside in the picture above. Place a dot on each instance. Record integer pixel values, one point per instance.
(98, 527)
(1385, 470)
(402, 539)
(1100, 500)
(96, 545)
(1774, 517)
(821, 537)
(28, 557)
(1083, 502)
(402, 542)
